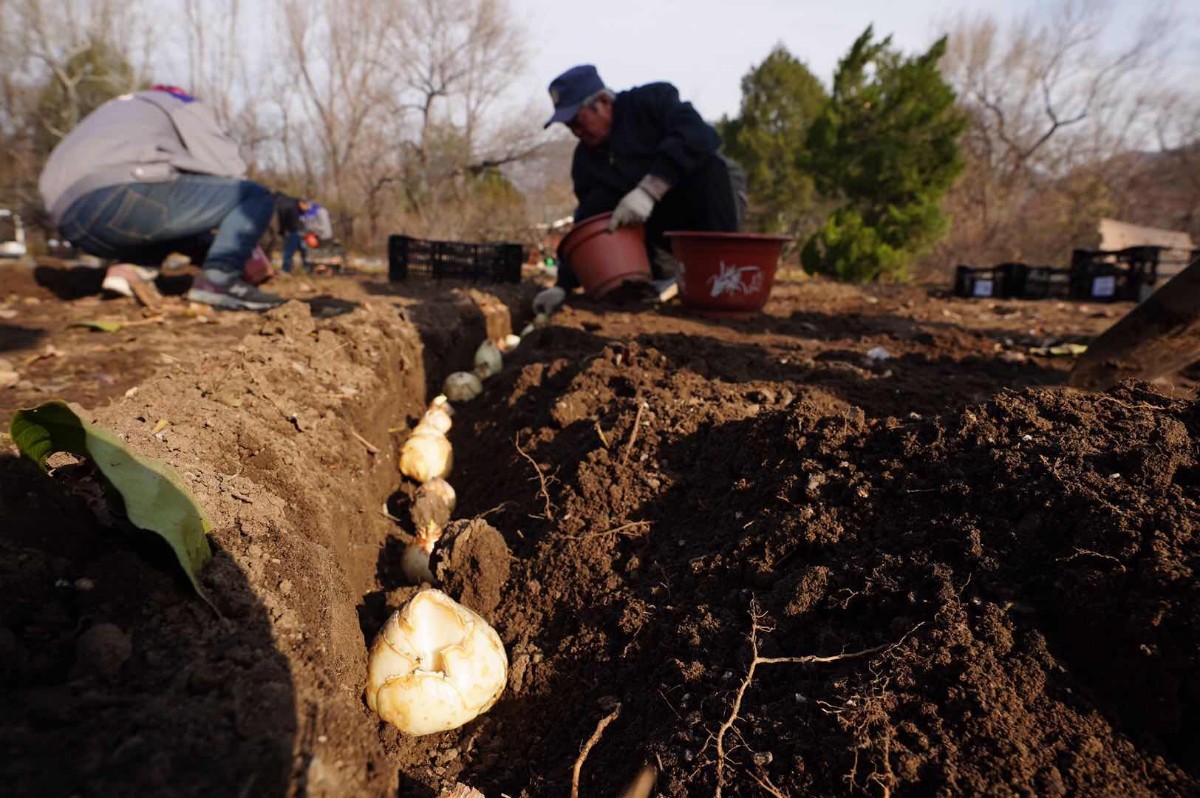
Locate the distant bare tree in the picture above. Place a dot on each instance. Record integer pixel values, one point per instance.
(1173, 192)
(215, 65)
(1049, 99)
(336, 60)
(457, 60)
(58, 60)
(50, 39)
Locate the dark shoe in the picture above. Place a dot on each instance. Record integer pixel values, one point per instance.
(238, 295)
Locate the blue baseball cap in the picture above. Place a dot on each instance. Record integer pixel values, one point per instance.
(569, 90)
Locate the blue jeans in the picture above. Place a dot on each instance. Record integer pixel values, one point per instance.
(214, 220)
(292, 244)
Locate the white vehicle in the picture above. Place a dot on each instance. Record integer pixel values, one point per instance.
(12, 235)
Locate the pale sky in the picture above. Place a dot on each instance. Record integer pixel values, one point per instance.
(705, 47)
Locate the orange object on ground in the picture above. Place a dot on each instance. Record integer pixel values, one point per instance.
(603, 261)
(726, 274)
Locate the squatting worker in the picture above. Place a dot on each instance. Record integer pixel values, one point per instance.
(152, 173)
(647, 156)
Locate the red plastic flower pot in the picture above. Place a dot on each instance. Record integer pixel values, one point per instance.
(726, 274)
(603, 261)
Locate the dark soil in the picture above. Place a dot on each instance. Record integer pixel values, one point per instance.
(999, 571)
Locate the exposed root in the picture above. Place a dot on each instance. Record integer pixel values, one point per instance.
(756, 625)
(587, 748)
(495, 509)
(549, 512)
(637, 420)
(370, 447)
(768, 787)
(622, 530)
(600, 432)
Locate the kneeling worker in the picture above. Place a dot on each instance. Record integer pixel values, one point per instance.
(646, 156)
(152, 173)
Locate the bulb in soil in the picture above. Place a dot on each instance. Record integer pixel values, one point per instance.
(426, 456)
(462, 386)
(434, 666)
(441, 490)
(437, 418)
(432, 503)
(488, 360)
(430, 426)
(509, 342)
(415, 561)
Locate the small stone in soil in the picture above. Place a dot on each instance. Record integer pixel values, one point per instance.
(103, 649)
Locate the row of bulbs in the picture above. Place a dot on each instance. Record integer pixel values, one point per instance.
(435, 665)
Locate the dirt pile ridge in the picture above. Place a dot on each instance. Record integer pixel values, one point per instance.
(1027, 564)
(272, 439)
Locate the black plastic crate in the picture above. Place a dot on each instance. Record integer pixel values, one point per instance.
(419, 258)
(1123, 275)
(1041, 282)
(1105, 282)
(974, 282)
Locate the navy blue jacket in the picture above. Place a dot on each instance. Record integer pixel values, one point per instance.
(653, 132)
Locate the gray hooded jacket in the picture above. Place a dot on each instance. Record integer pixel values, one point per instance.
(148, 137)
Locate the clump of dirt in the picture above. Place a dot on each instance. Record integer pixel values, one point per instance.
(472, 563)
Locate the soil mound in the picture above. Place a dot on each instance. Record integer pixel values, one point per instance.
(1019, 575)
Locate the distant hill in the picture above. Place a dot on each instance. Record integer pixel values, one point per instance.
(1157, 189)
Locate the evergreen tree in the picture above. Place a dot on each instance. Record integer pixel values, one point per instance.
(780, 98)
(886, 148)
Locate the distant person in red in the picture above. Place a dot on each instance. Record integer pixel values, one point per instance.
(152, 173)
(649, 158)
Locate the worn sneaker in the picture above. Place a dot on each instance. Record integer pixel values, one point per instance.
(237, 295)
(135, 282)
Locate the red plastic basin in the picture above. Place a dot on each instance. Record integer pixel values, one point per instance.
(726, 274)
(603, 261)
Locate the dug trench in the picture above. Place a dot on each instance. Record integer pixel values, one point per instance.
(773, 565)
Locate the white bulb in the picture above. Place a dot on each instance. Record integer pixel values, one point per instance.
(442, 489)
(426, 456)
(414, 563)
(434, 666)
(437, 419)
(488, 360)
(462, 386)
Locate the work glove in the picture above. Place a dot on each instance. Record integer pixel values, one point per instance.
(634, 208)
(549, 300)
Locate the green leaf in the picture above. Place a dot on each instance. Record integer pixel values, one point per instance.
(155, 498)
(102, 325)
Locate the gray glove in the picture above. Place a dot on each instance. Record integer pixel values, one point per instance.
(549, 300)
(634, 208)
